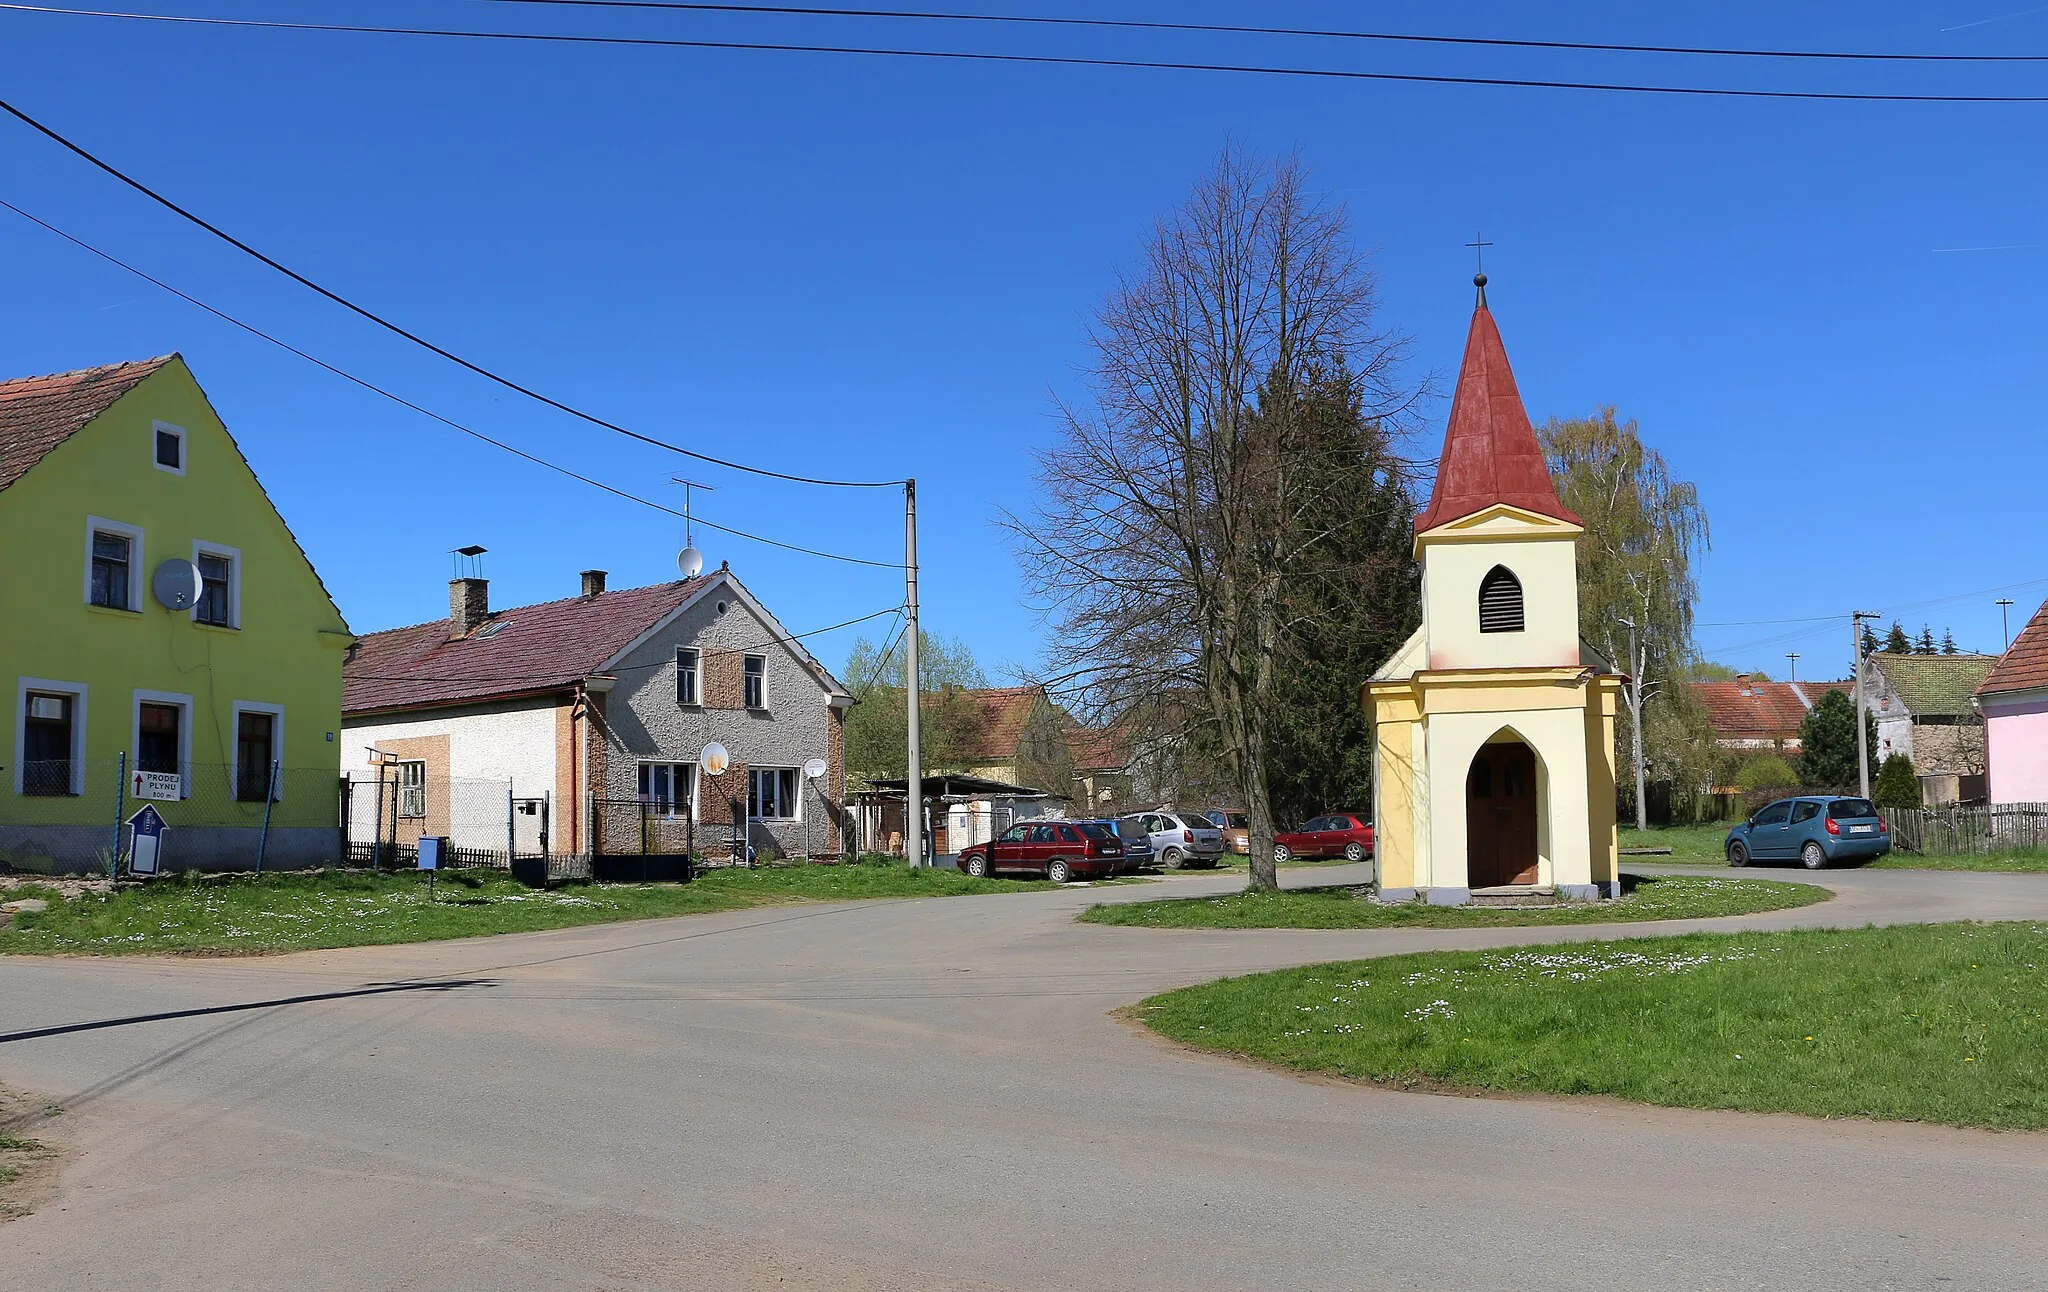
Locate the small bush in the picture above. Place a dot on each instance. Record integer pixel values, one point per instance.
(1898, 786)
(1767, 772)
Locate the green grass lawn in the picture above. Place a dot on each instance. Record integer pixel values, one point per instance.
(1701, 845)
(285, 912)
(1938, 1023)
(1671, 897)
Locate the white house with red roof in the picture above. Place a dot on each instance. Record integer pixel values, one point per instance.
(1494, 760)
(603, 698)
(2014, 700)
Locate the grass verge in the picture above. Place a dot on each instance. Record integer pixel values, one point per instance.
(286, 912)
(1937, 1023)
(1670, 897)
(1701, 845)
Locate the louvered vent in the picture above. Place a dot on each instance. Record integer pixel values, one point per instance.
(1500, 602)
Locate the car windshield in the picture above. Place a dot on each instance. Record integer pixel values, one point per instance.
(1848, 809)
(1094, 829)
(1237, 820)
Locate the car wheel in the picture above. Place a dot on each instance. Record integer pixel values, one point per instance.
(977, 866)
(1281, 853)
(1813, 856)
(1174, 859)
(1354, 852)
(1738, 855)
(1058, 871)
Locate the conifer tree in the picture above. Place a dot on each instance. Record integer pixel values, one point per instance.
(1897, 785)
(1948, 642)
(1896, 642)
(1870, 643)
(1925, 644)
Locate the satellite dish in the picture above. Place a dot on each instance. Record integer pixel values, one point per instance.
(714, 759)
(815, 768)
(690, 561)
(176, 584)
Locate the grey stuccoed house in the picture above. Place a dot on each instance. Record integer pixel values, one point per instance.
(601, 699)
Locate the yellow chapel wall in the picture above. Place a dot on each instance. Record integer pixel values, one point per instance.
(1452, 568)
(1460, 722)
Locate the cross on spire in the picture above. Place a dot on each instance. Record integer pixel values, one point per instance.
(1479, 244)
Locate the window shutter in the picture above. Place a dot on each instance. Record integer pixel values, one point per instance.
(1500, 602)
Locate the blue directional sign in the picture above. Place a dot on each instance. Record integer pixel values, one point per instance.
(148, 825)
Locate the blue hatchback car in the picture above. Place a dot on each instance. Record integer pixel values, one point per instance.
(1816, 831)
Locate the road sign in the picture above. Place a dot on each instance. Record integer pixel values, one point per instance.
(157, 785)
(148, 825)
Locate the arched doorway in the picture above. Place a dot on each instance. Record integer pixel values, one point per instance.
(1500, 815)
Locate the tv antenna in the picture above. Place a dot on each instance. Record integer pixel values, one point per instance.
(690, 561)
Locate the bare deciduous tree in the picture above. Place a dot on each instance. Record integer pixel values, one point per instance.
(1183, 498)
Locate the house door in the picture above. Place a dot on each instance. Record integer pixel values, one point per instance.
(1500, 816)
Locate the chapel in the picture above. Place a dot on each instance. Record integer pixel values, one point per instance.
(1494, 759)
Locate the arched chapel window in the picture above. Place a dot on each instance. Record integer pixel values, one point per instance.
(1500, 601)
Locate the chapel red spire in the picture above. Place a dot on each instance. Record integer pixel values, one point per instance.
(1490, 450)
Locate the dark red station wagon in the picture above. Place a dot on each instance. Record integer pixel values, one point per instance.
(1058, 850)
(1337, 834)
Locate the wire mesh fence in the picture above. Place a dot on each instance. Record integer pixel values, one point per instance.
(72, 816)
(1957, 831)
(386, 812)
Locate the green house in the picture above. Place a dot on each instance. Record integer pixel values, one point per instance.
(165, 638)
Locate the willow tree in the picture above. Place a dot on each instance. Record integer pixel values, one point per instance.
(1636, 589)
(1188, 492)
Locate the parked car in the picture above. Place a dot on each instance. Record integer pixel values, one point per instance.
(1138, 852)
(1236, 828)
(1058, 850)
(1335, 834)
(1180, 838)
(1817, 830)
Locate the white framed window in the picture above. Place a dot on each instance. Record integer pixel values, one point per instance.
(167, 448)
(162, 736)
(259, 743)
(49, 737)
(113, 564)
(671, 787)
(688, 664)
(772, 794)
(754, 681)
(412, 787)
(220, 584)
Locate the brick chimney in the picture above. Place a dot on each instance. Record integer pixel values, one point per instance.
(593, 583)
(469, 604)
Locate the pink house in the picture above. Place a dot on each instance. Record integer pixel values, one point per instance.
(2014, 701)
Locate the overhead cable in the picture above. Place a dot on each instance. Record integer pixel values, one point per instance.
(472, 432)
(1134, 24)
(413, 337)
(1052, 60)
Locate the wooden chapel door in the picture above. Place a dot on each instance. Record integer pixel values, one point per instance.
(1500, 816)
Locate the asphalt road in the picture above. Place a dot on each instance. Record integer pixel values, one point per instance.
(918, 1095)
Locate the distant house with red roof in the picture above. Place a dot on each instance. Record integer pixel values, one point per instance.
(2014, 700)
(604, 697)
(1752, 715)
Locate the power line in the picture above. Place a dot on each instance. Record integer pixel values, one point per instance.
(255, 331)
(623, 668)
(1129, 24)
(1053, 60)
(413, 337)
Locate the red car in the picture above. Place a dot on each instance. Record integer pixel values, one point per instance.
(1340, 834)
(1058, 850)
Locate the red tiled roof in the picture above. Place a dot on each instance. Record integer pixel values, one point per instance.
(999, 729)
(2024, 665)
(1096, 749)
(39, 413)
(1490, 450)
(1760, 710)
(544, 647)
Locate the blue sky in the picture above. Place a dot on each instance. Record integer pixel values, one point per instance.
(875, 267)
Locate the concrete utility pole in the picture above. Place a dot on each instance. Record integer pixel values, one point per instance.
(1856, 619)
(913, 784)
(2004, 604)
(1794, 656)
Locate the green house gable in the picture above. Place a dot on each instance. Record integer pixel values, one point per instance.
(106, 475)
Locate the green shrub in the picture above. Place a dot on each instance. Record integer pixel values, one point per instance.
(1767, 772)
(1897, 784)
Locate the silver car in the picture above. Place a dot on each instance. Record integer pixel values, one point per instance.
(1179, 839)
